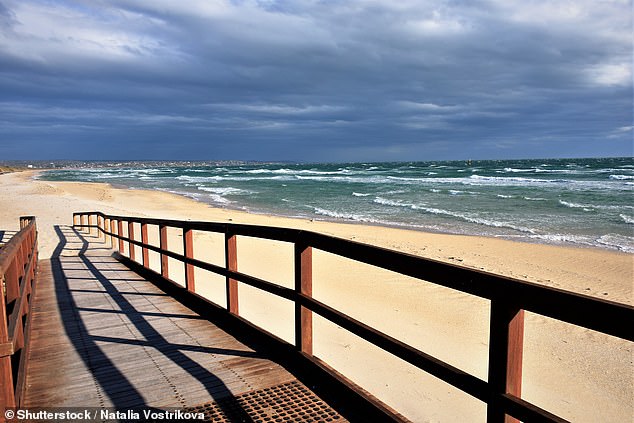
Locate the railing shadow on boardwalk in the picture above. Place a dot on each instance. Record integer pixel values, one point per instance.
(114, 384)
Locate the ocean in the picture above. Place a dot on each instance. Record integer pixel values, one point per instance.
(579, 202)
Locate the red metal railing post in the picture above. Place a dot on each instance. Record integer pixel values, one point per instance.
(188, 248)
(303, 286)
(120, 233)
(144, 251)
(163, 245)
(131, 237)
(112, 225)
(506, 345)
(231, 261)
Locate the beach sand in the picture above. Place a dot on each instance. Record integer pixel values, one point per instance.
(573, 372)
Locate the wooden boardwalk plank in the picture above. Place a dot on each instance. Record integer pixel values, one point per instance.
(104, 337)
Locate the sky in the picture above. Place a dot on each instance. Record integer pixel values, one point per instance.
(310, 80)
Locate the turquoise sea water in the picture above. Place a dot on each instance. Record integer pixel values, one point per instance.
(583, 202)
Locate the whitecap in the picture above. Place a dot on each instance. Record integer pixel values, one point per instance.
(627, 219)
(513, 170)
(395, 203)
(226, 190)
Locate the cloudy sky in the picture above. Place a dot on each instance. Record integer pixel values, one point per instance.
(311, 80)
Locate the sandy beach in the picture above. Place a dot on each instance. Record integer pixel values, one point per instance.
(576, 373)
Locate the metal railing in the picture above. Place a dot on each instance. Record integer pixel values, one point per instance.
(509, 298)
(18, 268)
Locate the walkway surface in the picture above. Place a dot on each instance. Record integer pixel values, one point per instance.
(104, 337)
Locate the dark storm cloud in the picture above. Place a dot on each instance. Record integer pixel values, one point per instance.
(312, 80)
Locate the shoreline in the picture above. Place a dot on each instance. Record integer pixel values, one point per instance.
(573, 372)
(520, 238)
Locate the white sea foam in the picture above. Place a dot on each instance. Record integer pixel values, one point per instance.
(218, 199)
(627, 219)
(360, 194)
(227, 190)
(620, 242)
(565, 239)
(395, 203)
(594, 206)
(188, 178)
(345, 215)
(504, 196)
(473, 218)
(468, 217)
(395, 191)
(340, 171)
(622, 177)
(575, 205)
(513, 170)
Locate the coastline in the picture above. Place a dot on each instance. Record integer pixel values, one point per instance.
(550, 202)
(395, 304)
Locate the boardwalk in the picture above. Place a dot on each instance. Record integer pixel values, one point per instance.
(104, 337)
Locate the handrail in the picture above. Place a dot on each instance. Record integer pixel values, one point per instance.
(509, 299)
(18, 268)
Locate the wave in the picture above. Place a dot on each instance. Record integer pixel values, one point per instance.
(360, 194)
(593, 206)
(227, 191)
(621, 177)
(468, 217)
(576, 205)
(626, 218)
(341, 171)
(395, 203)
(217, 178)
(359, 178)
(620, 242)
(345, 215)
(565, 239)
(513, 170)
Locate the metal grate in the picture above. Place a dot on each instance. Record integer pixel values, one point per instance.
(289, 402)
